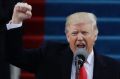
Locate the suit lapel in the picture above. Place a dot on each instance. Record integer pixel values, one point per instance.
(99, 68)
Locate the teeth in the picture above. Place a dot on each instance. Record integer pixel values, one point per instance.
(81, 46)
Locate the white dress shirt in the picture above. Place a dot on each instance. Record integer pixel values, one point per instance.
(11, 26)
(88, 66)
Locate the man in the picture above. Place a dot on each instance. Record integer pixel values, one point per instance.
(55, 60)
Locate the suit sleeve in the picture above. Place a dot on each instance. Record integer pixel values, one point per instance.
(27, 59)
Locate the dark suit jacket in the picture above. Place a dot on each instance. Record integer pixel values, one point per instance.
(53, 60)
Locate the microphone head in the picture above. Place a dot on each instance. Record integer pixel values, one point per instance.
(81, 56)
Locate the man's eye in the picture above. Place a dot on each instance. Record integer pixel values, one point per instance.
(74, 33)
(84, 33)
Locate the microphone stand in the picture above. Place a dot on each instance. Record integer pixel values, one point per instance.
(78, 63)
(79, 58)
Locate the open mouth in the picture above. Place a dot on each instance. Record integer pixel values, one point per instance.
(80, 45)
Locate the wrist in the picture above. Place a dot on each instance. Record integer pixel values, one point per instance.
(16, 21)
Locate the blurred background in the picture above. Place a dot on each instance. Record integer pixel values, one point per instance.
(48, 22)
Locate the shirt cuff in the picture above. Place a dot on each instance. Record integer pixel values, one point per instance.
(12, 26)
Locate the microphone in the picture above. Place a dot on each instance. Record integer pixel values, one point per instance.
(80, 57)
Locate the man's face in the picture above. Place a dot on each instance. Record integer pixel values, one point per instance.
(81, 35)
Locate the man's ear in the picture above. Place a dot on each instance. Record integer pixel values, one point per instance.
(96, 35)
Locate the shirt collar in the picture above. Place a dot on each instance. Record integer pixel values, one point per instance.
(90, 58)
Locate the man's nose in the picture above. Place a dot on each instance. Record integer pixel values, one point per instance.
(80, 37)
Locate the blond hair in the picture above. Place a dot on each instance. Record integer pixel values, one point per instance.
(80, 17)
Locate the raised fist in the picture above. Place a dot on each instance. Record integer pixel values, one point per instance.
(21, 12)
